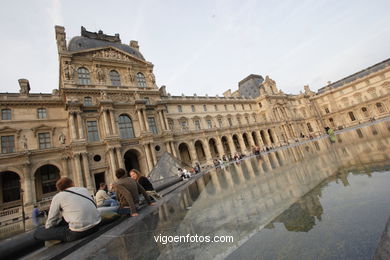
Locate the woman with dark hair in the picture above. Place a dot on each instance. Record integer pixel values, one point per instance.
(72, 215)
(145, 183)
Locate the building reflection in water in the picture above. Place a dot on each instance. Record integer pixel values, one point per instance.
(240, 199)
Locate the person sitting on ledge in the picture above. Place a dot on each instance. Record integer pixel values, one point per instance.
(134, 188)
(145, 183)
(72, 215)
(103, 199)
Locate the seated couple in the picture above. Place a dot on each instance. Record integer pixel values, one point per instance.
(73, 213)
(128, 190)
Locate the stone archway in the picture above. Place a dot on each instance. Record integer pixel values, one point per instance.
(262, 134)
(225, 145)
(132, 161)
(185, 153)
(10, 189)
(213, 148)
(46, 177)
(271, 137)
(236, 143)
(255, 139)
(200, 151)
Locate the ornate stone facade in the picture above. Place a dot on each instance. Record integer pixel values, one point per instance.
(108, 113)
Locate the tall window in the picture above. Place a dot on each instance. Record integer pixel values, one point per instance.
(179, 108)
(7, 144)
(6, 114)
(220, 122)
(204, 108)
(183, 124)
(126, 127)
(242, 105)
(327, 110)
(141, 80)
(197, 124)
(216, 107)
(225, 107)
(41, 113)
(87, 101)
(230, 121)
(49, 175)
(83, 75)
(44, 140)
(152, 125)
(93, 133)
(352, 116)
(247, 120)
(250, 106)
(239, 120)
(192, 108)
(209, 124)
(115, 78)
(234, 106)
(309, 127)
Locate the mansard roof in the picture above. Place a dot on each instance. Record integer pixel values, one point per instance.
(91, 40)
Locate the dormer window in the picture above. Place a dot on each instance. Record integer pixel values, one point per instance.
(83, 76)
(141, 80)
(115, 78)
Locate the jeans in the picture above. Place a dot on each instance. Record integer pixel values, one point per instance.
(61, 232)
(110, 203)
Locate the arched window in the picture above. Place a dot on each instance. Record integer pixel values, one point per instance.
(141, 80)
(309, 127)
(46, 177)
(83, 75)
(380, 107)
(126, 127)
(115, 78)
(10, 185)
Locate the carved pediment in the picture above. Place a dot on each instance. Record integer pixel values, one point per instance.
(109, 53)
(41, 128)
(10, 130)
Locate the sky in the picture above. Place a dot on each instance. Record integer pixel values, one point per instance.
(204, 46)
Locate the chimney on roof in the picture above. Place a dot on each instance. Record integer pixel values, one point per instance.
(134, 45)
(24, 86)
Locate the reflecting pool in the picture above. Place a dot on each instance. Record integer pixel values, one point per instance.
(316, 200)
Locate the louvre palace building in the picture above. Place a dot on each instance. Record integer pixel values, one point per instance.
(108, 113)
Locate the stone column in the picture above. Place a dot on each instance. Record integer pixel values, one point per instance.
(113, 124)
(87, 174)
(146, 121)
(65, 168)
(258, 136)
(120, 158)
(250, 139)
(209, 157)
(77, 170)
(193, 154)
(141, 120)
(231, 144)
(106, 124)
(267, 138)
(168, 148)
(148, 158)
(221, 152)
(112, 162)
(173, 149)
(165, 120)
(154, 157)
(161, 120)
(274, 159)
(242, 143)
(72, 126)
(80, 124)
(215, 181)
(29, 186)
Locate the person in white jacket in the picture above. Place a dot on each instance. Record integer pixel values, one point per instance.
(72, 215)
